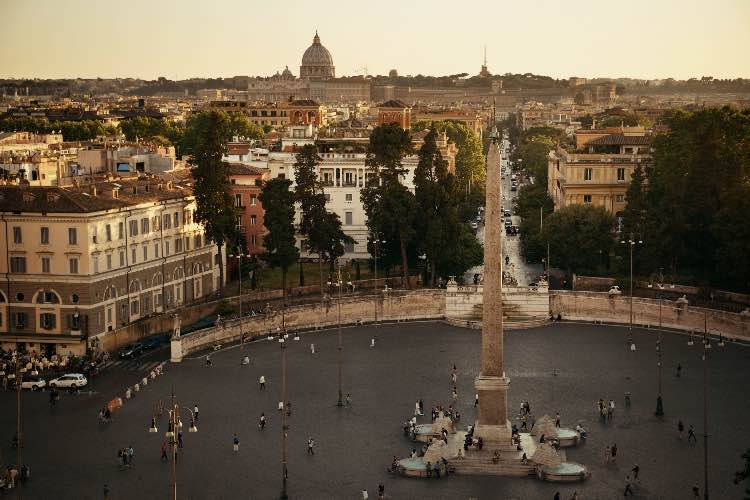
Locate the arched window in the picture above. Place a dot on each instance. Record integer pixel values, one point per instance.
(197, 268)
(47, 297)
(135, 286)
(178, 273)
(157, 280)
(110, 293)
(2, 297)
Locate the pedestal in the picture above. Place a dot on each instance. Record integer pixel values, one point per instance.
(492, 423)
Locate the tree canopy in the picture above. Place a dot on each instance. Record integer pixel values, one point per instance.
(278, 203)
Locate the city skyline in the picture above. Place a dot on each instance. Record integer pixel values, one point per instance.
(644, 41)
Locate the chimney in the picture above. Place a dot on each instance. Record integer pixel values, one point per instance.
(160, 186)
(135, 189)
(92, 190)
(115, 193)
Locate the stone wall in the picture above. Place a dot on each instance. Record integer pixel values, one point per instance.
(594, 306)
(394, 305)
(465, 302)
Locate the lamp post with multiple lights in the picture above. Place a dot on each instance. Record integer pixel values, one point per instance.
(631, 242)
(239, 255)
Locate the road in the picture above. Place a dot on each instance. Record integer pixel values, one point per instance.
(560, 367)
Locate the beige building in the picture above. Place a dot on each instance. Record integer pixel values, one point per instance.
(80, 262)
(601, 175)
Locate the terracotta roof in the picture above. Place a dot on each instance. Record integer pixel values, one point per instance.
(38, 199)
(393, 103)
(419, 135)
(621, 140)
(242, 169)
(304, 102)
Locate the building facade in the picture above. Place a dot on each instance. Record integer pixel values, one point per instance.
(81, 262)
(245, 184)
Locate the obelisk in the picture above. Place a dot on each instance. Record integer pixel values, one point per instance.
(491, 385)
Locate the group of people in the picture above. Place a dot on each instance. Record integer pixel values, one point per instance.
(606, 410)
(526, 417)
(125, 456)
(105, 415)
(436, 468)
(470, 440)
(10, 475)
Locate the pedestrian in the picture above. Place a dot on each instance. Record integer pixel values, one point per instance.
(310, 445)
(635, 471)
(628, 488)
(557, 420)
(262, 381)
(679, 370)
(611, 409)
(476, 400)
(416, 409)
(312, 349)
(533, 421)
(454, 377)
(365, 496)
(627, 399)
(208, 360)
(195, 413)
(454, 395)
(680, 428)
(288, 408)
(421, 406)
(614, 452)
(131, 453)
(607, 453)
(696, 491)
(372, 342)
(575, 496)
(106, 491)
(557, 496)
(348, 399)
(246, 360)
(262, 421)
(236, 442)
(179, 439)
(691, 434)
(428, 468)
(164, 457)
(381, 491)
(523, 422)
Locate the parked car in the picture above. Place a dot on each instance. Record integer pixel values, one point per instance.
(151, 343)
(69, 380)
(33, 383)
(514, 188)
(131, 351)
(507, 213)
(474, 225)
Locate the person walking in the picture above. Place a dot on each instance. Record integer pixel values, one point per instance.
(236, 442)
(164, 457)
(680, 428)
(557, 420)
(628, 488)
(365, 496)
(105, 490)
(607, 454)
(208, 360)
(131, 455)
(476, 400)
(421, 406)
(611, 409)
(635, 470)
(416, 409)
(262, 421)
(312, 349)
(679, 370)
(454, 395)
(372, 342)
(557, 496)
(381, 491)
(691, 434)
(262, 382)
(696, 491)
(310, 446)
(614, 452)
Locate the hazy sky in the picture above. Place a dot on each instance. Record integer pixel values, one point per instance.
(212, 38)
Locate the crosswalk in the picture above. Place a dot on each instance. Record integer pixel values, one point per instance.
(131, 365)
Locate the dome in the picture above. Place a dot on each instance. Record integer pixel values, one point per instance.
(316, 54)
(317, 63)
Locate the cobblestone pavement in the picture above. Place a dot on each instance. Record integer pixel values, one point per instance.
(560, 367)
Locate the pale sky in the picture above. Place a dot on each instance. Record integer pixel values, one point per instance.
(224, 38)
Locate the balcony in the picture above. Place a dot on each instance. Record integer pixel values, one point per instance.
(327, 183)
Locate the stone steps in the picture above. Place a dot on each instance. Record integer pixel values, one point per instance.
(468, 466)
(514, 324)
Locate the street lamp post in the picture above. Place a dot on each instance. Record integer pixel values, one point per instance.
(19, 442)
(239, 256)
(340, 348)
(282, 343)
(659, 402)
(631, 242)
(175, 423)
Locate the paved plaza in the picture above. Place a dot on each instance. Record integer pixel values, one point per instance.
(560, 367)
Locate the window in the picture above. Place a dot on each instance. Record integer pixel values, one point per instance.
(108, 232)
(74, 321)
(620, 174)
(587, 174)
(253, 200)
(122, 258)
(73, 265)
(120, 230)
(17, 235)
(109, 261)
(198, 241)
(253, 240)
(252, 220)
(282, 176)
(46, 264)
(620, 198)
(72, 236)
(328, 197)
(48, 321)
(157, 299)
(156, 250)
(348, 196)
(155, 222)
(95, 262)
(166, 249)
(167, 222)
(587, 198)
(22, 320)
(145, 253)
(238, 200)
(18, 264)
(44, 236)
(349, 247)
(187, 243)
(176, 221)
(133, 256)
(144, 225)
(133, 224)
(348, 218)
(93, 234)
(178, 244)
(134, 308)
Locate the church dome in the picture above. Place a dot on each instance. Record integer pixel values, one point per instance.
(317, 62)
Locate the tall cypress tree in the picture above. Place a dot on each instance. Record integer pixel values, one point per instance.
(279, 242)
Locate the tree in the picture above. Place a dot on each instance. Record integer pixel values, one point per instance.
(633, 217)
(579, 235)
(579, 99)
(389, 206)
(442, 236)
(236, 125)
(211, 189)
(279, 242)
